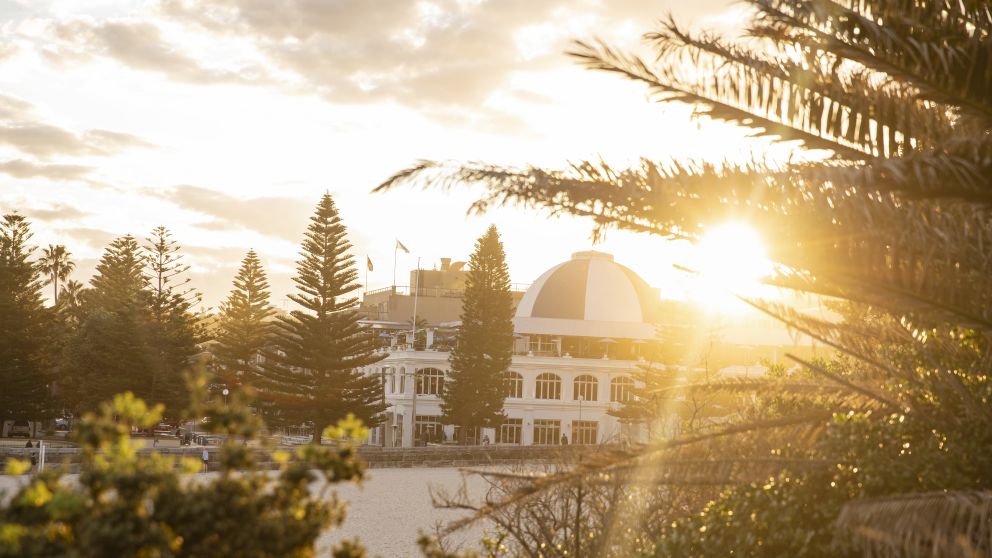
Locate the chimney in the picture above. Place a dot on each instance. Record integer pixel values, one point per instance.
(445, 264)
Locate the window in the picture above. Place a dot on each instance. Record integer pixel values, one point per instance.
(586, 387)
(543, 345)
(392, 380)
(585, 431)
(547, 432)
(402, 380)
(548, 386)
(428, 428)
(430, 381)
(620, 389)
(510, 432)
(514, 384)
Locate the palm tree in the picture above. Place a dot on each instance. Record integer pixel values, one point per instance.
(70, 299)
(57, 266)
(887, 211)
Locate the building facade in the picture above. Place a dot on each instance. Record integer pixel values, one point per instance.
(582, 331)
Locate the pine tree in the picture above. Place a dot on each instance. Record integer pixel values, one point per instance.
(120, 281)
(24, 370)
(313, 373)
(110, 353)
(175, 332)
(245, 329)
(57, 266)
(474, 392)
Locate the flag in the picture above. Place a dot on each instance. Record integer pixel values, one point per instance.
(399, 245)
(368, 263)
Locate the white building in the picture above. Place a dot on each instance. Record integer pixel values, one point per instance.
(581, 330)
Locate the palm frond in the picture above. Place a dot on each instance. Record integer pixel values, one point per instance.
(748, 99)
(846, 105)
(947, 524)
(957, 74)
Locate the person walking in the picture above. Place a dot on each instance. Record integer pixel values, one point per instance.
(206, 460)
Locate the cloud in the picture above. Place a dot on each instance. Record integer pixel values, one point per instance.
(226, 257)
(43, 140)
(445, 58)
(22, 129)
(279, 217)
(57, 212)
(13, 108)
(21, 168)
(111, 142)
(445, 52)
(136, 44)
(95, 238)
(426, 55)
(8, 51)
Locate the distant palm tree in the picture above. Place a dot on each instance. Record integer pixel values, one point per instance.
(57, 266)
(71, 299)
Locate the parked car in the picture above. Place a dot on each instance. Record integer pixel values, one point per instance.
(20, 428)
(163, 428)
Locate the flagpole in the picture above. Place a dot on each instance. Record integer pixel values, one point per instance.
(367, 260)
(416, 295)
(395, 248)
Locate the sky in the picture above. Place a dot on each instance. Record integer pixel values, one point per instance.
(226, 120)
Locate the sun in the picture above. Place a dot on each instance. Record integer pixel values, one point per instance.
(731, 259)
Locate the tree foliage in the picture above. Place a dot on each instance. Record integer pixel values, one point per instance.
(110, 352)
(136, 329)
(474, 391)
(313, 373)
(132, 503)
(891, 218)
(245, 328)
(25, 366)
(57, 267)
(174, 330)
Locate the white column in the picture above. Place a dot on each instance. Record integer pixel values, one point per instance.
(527, 436)
(604, 387)
(407, 427)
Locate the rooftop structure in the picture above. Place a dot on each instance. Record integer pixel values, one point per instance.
(591, 296)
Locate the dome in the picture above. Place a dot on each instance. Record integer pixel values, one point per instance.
(590, 295)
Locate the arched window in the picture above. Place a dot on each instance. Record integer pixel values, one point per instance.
(586, 387)
(402, 380)
(548, 386)
(430, 381)
(514, 384)
(620, 389)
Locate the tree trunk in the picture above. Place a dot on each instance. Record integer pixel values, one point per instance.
(318, 430)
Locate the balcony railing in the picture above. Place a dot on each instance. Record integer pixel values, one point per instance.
(405, 290)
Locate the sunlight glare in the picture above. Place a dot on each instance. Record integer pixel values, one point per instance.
(729, 260)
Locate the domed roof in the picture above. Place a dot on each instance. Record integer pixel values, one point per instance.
(589, 295)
